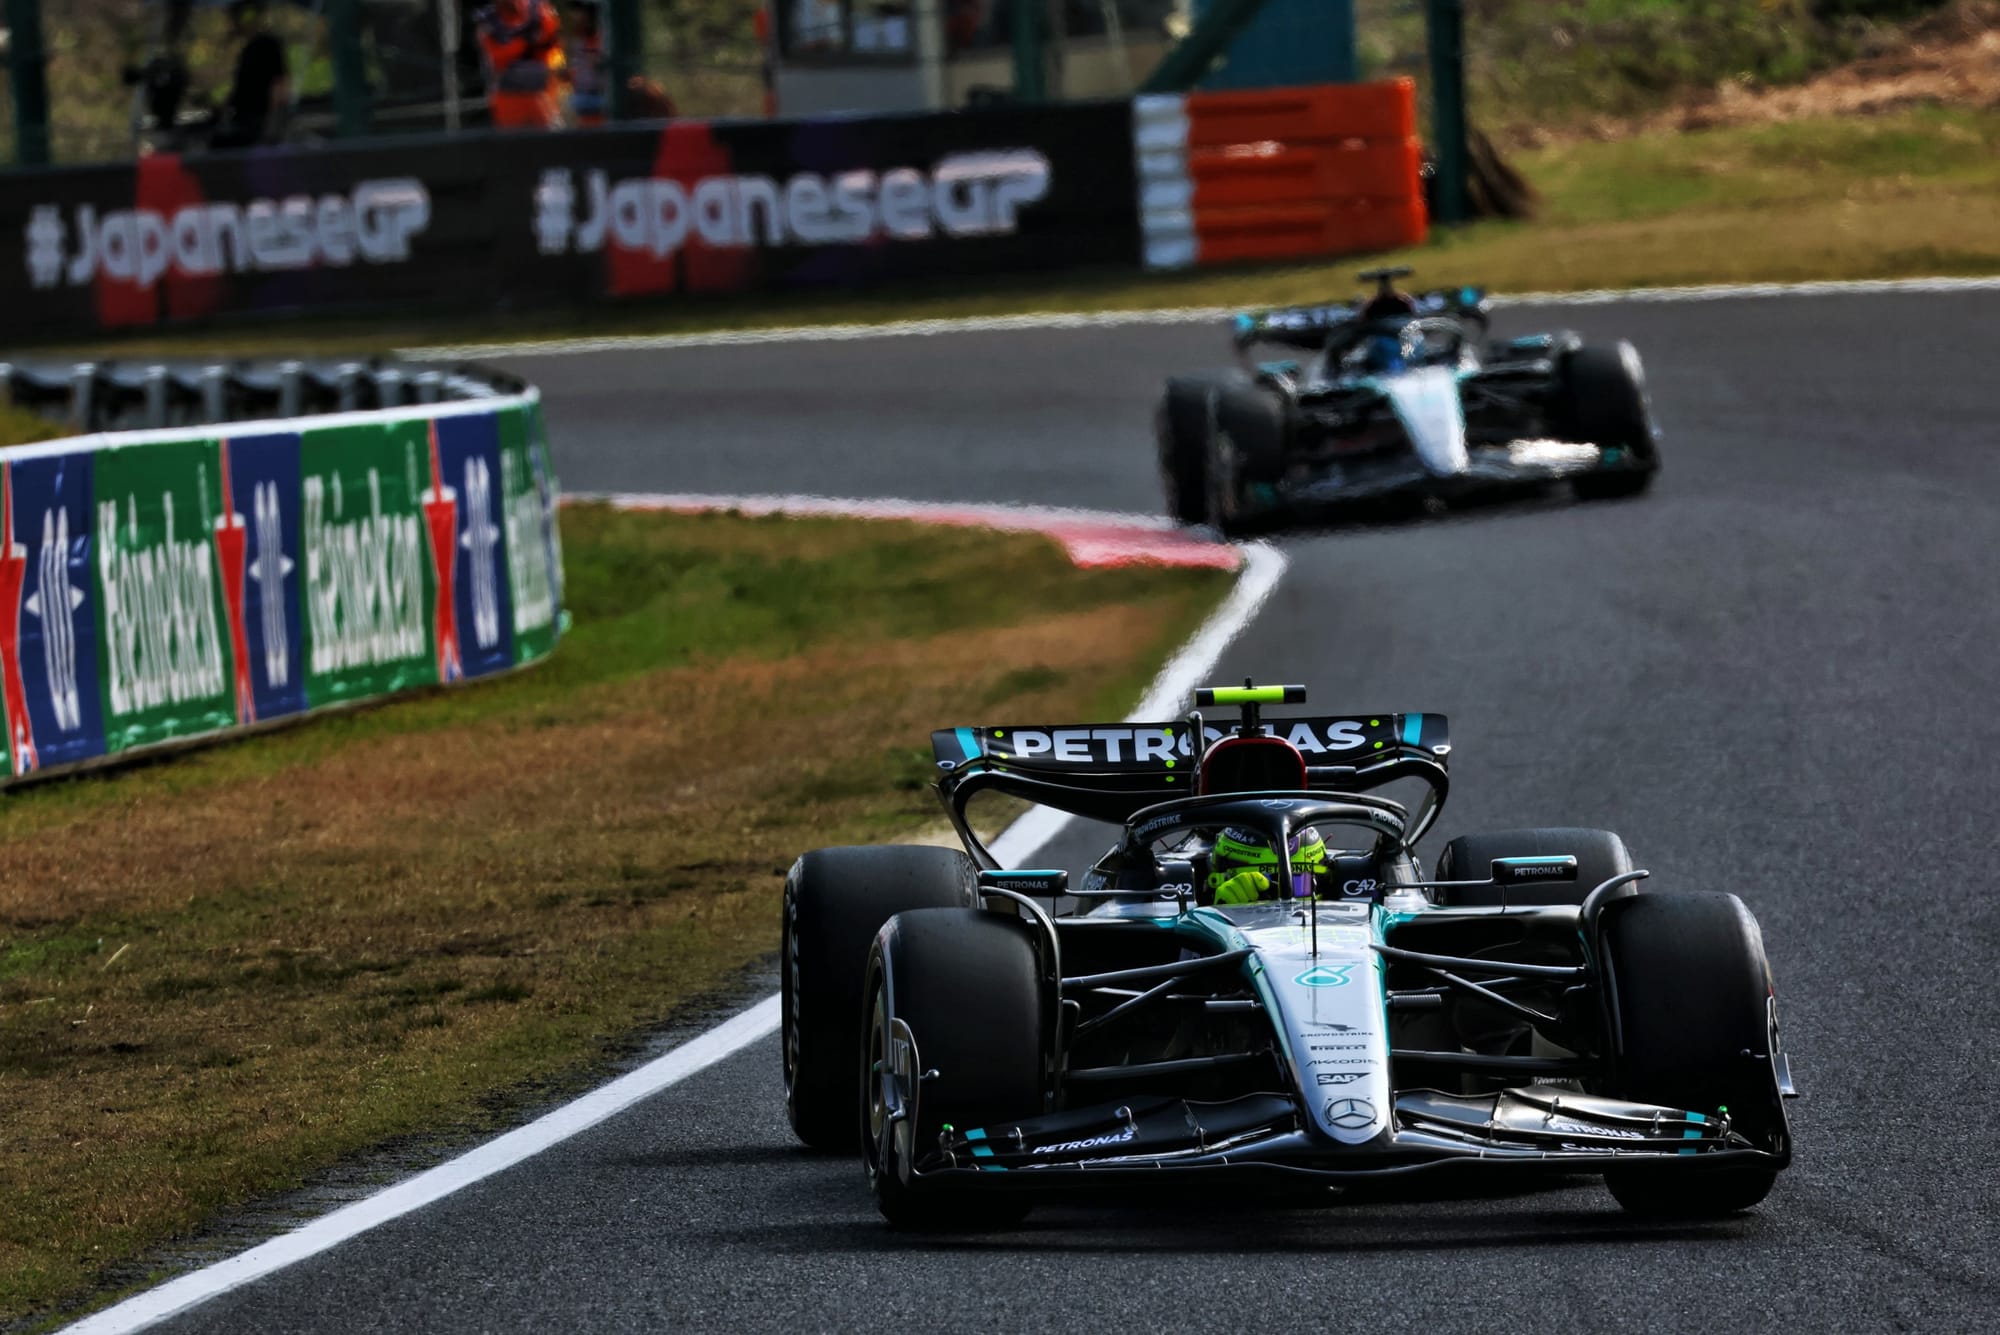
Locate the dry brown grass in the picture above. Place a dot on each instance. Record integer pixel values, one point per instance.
(219, 974)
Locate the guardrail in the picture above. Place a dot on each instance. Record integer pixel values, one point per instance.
(231, 568)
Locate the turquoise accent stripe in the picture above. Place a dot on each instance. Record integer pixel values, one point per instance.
(981, 1152)
(1692, 1133)
(968, 744)
(975, 1134)
(1413, 729)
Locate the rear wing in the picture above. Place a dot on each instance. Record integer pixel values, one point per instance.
(1108, 771)
(1309, 326)
(1166, 751)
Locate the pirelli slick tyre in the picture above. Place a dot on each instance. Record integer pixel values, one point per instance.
(1688, 1001)
(1600, 855)
(1602, 400)
(836, 899)
(955, 1033)
(1255, 424)
(1182, 427)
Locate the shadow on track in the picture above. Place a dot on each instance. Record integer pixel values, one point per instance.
(1436, 1215)
(1398, 514)
(1250, 1231)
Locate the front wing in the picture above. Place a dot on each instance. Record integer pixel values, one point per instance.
(1397, 472)
(1263, 1136)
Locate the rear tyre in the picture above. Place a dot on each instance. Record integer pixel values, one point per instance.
(967, 984)
(1182, 428)
(1688, 1001)
(836, 899)
(1604, 402)
(1600, 855)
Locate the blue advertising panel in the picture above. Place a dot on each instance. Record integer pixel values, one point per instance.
(469, 464)
(261, 583)
(48, 630)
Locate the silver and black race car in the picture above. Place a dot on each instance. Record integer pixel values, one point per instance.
(1400, 397)
(988, 1037)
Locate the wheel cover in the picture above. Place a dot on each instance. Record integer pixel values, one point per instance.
(1221, 482)
(891, 1133)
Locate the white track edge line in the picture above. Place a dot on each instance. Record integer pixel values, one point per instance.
(503, 1152)
(1040, 320)
(1263, 567)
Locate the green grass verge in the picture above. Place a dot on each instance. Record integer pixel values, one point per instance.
(21, 427)
(222, 973)
(1912, 194)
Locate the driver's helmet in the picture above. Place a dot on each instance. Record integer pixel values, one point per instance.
(1238, 851)
(1383, 353)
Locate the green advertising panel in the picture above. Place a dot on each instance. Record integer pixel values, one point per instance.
(163, 652)
(370, 586)
(531, 530)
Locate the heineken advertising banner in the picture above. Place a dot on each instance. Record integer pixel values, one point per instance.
(159, 586)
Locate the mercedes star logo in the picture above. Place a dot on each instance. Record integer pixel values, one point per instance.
(1350, 1114)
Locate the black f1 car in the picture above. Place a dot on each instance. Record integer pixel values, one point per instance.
(1400, 397)
(987, 1037)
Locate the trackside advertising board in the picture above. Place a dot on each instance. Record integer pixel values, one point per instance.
(161, 586)
(509, 221)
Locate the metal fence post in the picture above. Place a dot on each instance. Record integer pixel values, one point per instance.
(1346, 56)
(350, 68)
(624, 43)
(30, 81)
(1030, 83)
(1182, 67)
(1446, 20)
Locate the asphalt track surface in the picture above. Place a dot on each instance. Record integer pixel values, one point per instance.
(1776, 675)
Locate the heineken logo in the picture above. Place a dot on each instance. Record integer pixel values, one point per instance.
(364, 577)
(527, 554)
(162, 645)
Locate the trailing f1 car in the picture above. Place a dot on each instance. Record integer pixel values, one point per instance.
(1401, 396)
(1258, 983)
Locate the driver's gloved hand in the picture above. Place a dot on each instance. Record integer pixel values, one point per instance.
(1243, 888)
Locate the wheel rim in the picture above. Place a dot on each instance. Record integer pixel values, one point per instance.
(876, 1075)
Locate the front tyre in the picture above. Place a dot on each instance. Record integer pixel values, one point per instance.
(1600, 855)
(957, 992)
(1182, 426)
(1602, 400)
(1690, 1012)
(836, 899)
